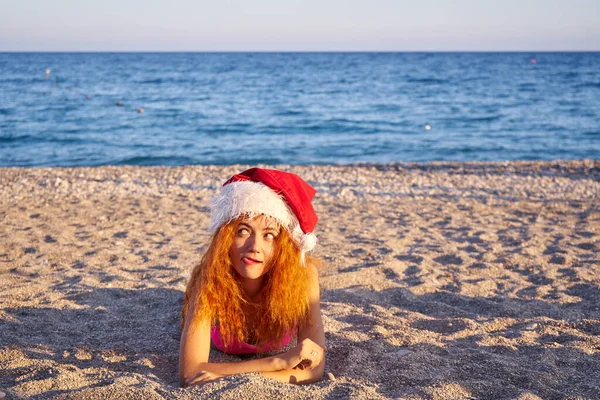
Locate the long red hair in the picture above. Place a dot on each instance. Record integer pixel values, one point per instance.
(218, 296)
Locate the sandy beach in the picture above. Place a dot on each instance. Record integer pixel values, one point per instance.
(439, 281)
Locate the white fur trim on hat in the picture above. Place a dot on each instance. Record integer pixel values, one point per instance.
(253, 199)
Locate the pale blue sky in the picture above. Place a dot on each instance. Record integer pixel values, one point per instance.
(299, 25)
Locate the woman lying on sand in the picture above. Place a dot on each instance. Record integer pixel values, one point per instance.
(255, 287)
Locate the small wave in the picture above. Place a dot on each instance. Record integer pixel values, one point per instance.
(225, 69)
(592, 133)
(19, 81)
(428, 81)
(250, 160)
(528, 88)
(473, 79)
(154, 160)
(160, 81)
(288, 113)
(570, 75)
(15, 139)
(239, 128)
(67, 140)
(490, 118)
(387, 107)
(337, 128)
(588, 85)
(156, 81)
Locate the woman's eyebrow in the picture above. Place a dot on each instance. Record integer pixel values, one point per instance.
(268, 228)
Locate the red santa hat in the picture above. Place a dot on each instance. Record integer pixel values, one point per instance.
(280, 195)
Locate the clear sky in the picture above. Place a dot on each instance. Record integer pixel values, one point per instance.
(299, 25)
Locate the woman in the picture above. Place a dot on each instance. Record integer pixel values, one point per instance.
(255, 287)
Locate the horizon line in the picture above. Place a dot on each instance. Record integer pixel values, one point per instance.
(300, 51)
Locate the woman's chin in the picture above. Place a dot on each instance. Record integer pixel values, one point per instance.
(250, 273)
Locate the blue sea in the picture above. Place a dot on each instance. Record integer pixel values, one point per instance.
(60, 109)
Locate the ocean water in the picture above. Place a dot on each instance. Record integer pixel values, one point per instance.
(296, 108)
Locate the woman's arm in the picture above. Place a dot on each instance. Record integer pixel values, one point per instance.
(311, 338)
(194, 351)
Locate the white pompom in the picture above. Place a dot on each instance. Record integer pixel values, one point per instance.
(309, 241)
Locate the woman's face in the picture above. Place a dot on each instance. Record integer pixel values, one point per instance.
(253, 246)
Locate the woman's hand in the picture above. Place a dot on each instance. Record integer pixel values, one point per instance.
(306, 355)
(201, 378)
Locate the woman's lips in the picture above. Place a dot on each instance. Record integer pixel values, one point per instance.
(250, 261)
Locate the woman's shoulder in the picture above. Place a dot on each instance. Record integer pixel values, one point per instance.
(313, 272)
(313, 267)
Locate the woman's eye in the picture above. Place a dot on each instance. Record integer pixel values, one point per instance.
(243, 231)
(269, 236)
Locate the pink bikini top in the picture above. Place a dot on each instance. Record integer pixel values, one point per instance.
(237, 347)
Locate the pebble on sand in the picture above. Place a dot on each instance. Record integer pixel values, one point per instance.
(403, 352)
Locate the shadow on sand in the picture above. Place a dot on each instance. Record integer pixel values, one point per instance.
(120, 330)
(129, 332)
(403, 354)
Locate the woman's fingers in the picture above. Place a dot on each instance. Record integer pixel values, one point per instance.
(313, 361)
(305, 364)
(201, 378)
(195, 380)
(310, 357)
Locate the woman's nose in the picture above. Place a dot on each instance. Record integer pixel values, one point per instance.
(253, 243)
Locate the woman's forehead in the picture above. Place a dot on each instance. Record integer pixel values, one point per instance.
(261, 221)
